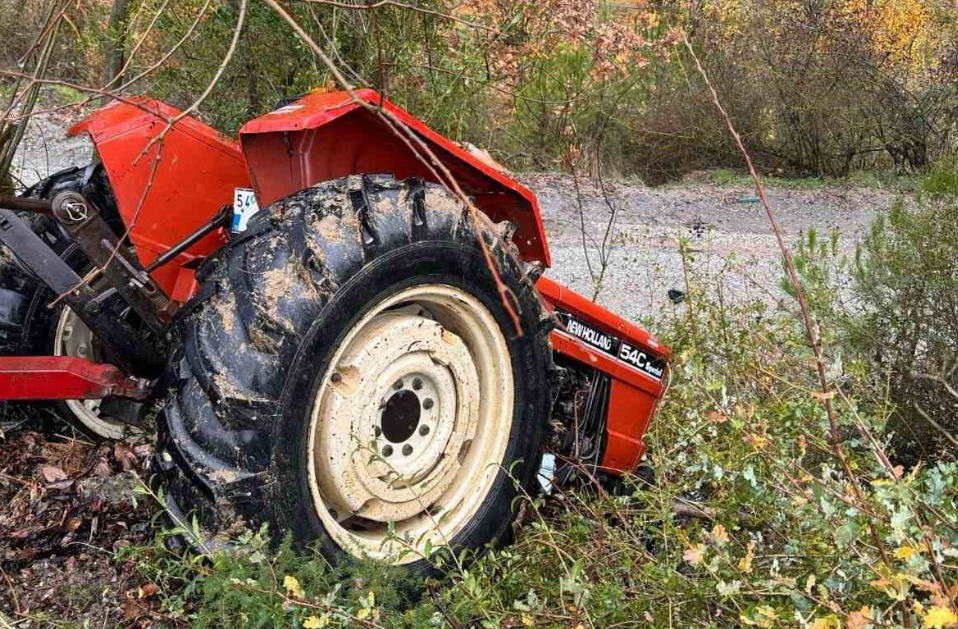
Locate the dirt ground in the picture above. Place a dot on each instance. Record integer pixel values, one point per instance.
(66, 502)
(66, 508)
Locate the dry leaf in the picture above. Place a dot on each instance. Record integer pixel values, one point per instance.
(52, 473)
(860, 619)
(694, 554)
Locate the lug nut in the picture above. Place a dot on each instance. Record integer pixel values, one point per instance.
(398, 384)
(336, 377)
(424, 430)
(407, 450)
(387, 450)
(427, 403)
(417, 384)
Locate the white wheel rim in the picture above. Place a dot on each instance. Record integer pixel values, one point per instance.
(410, 424)
(74, 338)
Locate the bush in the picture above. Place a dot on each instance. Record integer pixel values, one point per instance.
(907, 279)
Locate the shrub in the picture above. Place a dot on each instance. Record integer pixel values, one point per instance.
(907, 279)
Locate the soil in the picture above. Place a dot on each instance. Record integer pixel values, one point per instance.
(67, 507)
(66, 503)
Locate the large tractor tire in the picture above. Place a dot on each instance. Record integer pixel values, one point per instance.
(351, 376)
(27, 326)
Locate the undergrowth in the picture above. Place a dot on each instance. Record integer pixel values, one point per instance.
(750, 522)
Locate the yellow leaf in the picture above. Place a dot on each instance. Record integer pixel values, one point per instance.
(314, 623)
(939, 617)
(745, 563)
(527, 620)
(767, 611)
(859, 619)
(694, 554)
(828, 622)
(292, 586)
(371, 598)
(362, 614)
(904, 552)
(755, 440)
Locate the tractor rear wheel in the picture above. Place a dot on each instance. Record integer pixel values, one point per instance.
(352, 376)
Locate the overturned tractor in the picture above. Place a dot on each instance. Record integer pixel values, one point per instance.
(371, 362)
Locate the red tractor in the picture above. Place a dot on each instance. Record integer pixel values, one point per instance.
(369, 363)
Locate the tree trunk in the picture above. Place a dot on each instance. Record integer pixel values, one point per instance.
(116, 40)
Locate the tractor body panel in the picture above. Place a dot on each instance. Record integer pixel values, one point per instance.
(634, 361)
(327, 135)
(162, 201)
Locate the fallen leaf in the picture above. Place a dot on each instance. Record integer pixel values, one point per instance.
(719, 534)
(938, 617)
(52, 473)
(860, 619)
(124, 456)
(716, 417)
(745, 563)
(102, 468)
(694, 554)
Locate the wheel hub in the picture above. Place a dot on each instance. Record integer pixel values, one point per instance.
(410, 423)
(392, 446)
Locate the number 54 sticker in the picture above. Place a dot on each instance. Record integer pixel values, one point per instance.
(244, 206)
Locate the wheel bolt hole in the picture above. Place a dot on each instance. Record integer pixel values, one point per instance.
(407, 450)
(387, 450)
(398, 385)
(378, 431)
(417, 384)
(427, 403)
(424, 430)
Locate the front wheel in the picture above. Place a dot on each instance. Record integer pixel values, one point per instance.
(355, 378)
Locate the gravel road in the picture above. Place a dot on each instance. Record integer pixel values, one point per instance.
(726, 228)
(722, 223)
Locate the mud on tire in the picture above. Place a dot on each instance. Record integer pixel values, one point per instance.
(266, 342)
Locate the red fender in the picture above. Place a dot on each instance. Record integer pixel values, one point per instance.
(327, 135)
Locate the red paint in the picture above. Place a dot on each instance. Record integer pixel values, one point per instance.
(327, 135)
(62, 378)
(196, 176)
(633, 395)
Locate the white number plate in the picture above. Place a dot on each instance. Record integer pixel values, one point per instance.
(244, 206)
